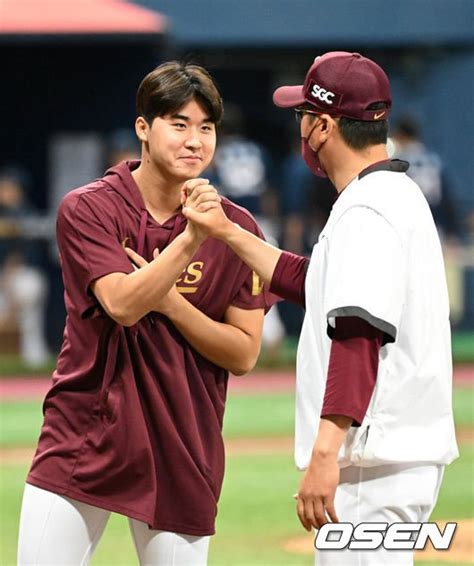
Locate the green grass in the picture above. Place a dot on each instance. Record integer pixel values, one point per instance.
(11, 364)
(463, 406)
(463, 347)
(456, 498)
(256, 512)
(12, 480)
(247, 416)
(20, 423)
(250, 415)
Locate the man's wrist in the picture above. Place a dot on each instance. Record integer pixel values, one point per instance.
(172, 308)
(230, 232)
(190, 239)
(332, 432)
(322, 451)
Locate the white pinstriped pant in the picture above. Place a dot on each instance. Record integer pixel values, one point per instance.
(57, 530)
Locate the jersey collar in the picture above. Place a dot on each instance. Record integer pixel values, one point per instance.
(394, 165)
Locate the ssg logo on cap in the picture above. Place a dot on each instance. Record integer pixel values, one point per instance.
(322, 94)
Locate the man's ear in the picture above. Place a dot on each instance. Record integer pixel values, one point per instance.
(141, 129)
(328, 125)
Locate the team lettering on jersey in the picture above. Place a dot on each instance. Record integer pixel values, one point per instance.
(190, 277)
(322, 94)
(257, 284)
(188, 280)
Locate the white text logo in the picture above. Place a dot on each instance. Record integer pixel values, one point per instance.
(322, 94)
(370, 536)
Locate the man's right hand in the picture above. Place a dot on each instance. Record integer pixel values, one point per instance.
(201, 206)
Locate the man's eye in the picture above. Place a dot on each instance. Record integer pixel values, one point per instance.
(179, 125)
(207, 128)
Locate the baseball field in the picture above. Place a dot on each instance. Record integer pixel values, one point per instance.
(257, 524)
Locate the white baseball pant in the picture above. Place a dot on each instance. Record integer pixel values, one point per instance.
(382, 494)
(57, 530)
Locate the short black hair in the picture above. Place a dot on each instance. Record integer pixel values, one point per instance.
(171, 85)
(360, 134)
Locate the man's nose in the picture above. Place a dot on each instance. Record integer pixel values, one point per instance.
(193, 140)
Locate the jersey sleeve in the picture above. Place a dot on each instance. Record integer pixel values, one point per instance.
(251, 293)
(89, 248)
(289, 278)
(352, 370)
(366, 271)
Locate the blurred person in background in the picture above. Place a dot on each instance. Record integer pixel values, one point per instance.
(427, 170)
(241, 169)
(121, 145)
(23, 284)
(294, 202)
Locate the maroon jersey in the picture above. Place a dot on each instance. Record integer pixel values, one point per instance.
(132, 422)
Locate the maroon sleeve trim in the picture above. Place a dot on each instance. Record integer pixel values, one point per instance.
(352, 371)
(289, 278)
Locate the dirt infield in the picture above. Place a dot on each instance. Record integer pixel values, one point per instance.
(16, 456)
(233, 447)
(28, 388)
(462, 547)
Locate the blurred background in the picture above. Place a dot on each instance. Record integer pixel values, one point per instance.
(70, 71)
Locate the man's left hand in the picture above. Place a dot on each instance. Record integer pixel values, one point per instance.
(315, 498)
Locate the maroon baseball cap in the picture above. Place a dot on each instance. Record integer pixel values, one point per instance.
(341, 84)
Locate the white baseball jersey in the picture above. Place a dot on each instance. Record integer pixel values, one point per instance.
(379, 258)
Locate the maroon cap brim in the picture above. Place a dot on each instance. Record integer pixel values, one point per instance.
(289, 96)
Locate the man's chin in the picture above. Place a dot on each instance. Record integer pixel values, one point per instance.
(190, 171)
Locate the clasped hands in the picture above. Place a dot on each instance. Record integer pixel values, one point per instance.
(202, 207)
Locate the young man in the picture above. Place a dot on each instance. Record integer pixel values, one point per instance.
(374, 424)
(132, 423)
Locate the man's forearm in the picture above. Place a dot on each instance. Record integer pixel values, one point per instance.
(221, 343)
(332, 432)
(134, 295)
(259, 255)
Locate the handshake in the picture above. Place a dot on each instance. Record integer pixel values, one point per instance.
(202, 208)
